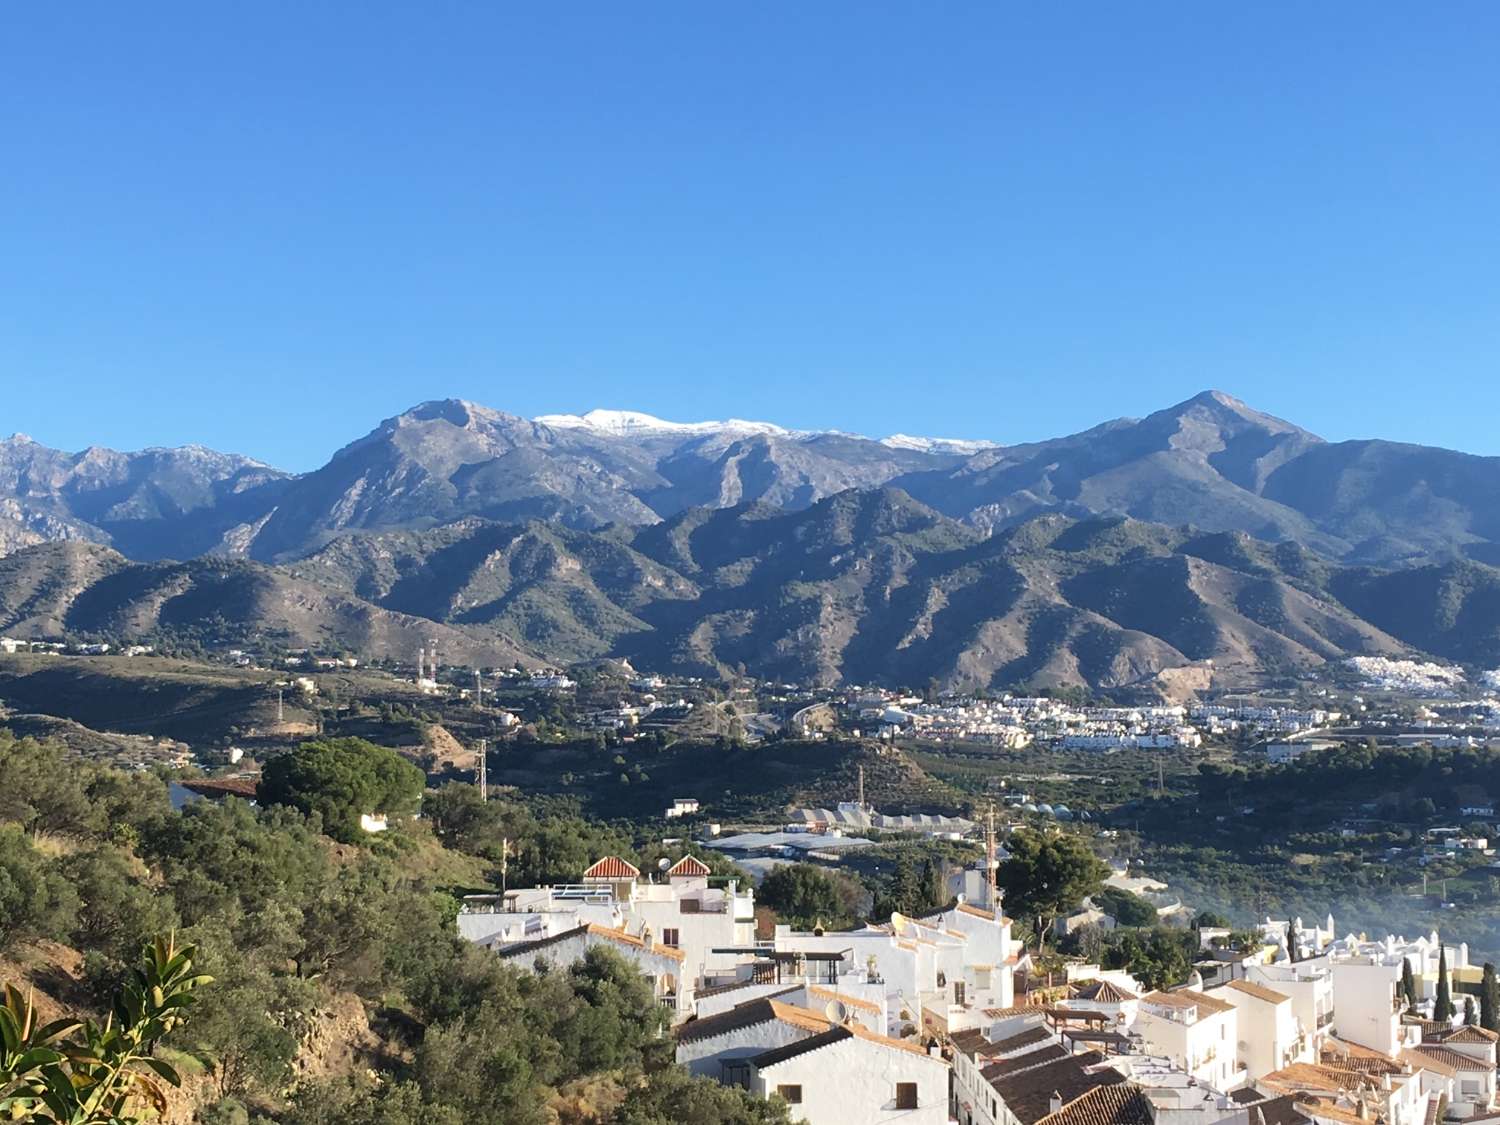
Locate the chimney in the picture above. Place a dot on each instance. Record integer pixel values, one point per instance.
(1055, 1104)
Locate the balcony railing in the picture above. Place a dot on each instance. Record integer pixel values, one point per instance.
(1325, 1018)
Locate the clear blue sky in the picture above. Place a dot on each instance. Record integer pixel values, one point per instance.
(266, 226)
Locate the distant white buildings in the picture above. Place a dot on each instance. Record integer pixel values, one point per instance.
(706, 925)
(682, 806)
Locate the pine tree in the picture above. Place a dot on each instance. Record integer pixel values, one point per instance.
(1471, 1017)
(1489, 999)
(1408, 984)
(1442, 1008)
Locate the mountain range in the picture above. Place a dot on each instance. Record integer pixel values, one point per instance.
(1203, 542)
(1211, 462)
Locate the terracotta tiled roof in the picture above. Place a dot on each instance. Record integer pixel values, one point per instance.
(842, 998)
(612, 867)
(1122, 1104)
(1441, 1058)
(833, 1035)
(689, 865)
(1277, 1111)
(1187, 998)
(909, 1045)
(1028, 1093)
(525, 947)
(748, 1015)
(1470, 1034)
(1103, 992)
(622, 938)
(1027, 1038)
(767, 1059)
(1337, 1051)
(1315, 1076)
(996, 1069)
(1259, 991)
(971, 1041)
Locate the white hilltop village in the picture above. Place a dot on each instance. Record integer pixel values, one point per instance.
(948, 1018)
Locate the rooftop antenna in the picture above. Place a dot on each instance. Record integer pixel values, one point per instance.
(484, 769)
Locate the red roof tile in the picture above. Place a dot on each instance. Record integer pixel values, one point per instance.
(613, 867)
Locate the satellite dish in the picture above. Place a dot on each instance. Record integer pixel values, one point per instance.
(837, 1012)
(898, 921)
(663, 863)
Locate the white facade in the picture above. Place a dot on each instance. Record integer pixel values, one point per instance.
(859, 1078)
(1310, 986)
(1270, 1037)
(683, 913)
(1198, 1033)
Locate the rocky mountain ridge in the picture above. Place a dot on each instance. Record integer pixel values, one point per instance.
(1211, 462)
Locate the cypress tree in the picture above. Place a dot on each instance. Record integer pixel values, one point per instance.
(1489, 999)
(1442, 1008)
(1471, 1017)
(1408, 984)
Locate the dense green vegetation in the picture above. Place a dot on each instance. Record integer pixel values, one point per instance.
(339, 960)
(340, 780)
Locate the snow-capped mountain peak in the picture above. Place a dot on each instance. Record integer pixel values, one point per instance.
(937, 445)
(631, 423)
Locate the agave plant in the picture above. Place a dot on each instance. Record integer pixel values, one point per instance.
(80, 1073)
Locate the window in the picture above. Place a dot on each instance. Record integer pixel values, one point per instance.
(958, 992)
(906, 1095)
(689, 906)
(792, 1095)
(671, 937)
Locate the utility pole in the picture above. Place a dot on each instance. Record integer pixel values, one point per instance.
(478, 689)
(989, 858)
(504, 863)
(861, 786)
(484, 769)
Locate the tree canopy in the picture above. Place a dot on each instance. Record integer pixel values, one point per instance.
(342, 779)
(1048, 874)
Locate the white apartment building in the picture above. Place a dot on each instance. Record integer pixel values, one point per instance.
(682, 912)
(1197, 1032)
(1310, 986)
(1270, 1036)
(849, 1074)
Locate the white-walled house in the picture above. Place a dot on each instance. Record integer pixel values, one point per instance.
(1465, 1057)
(1198, 1033)
(1310, 985)
(721, 1046)
(1270, 1036)
(682, 912)
(1367, 1003)
(848, 1074)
